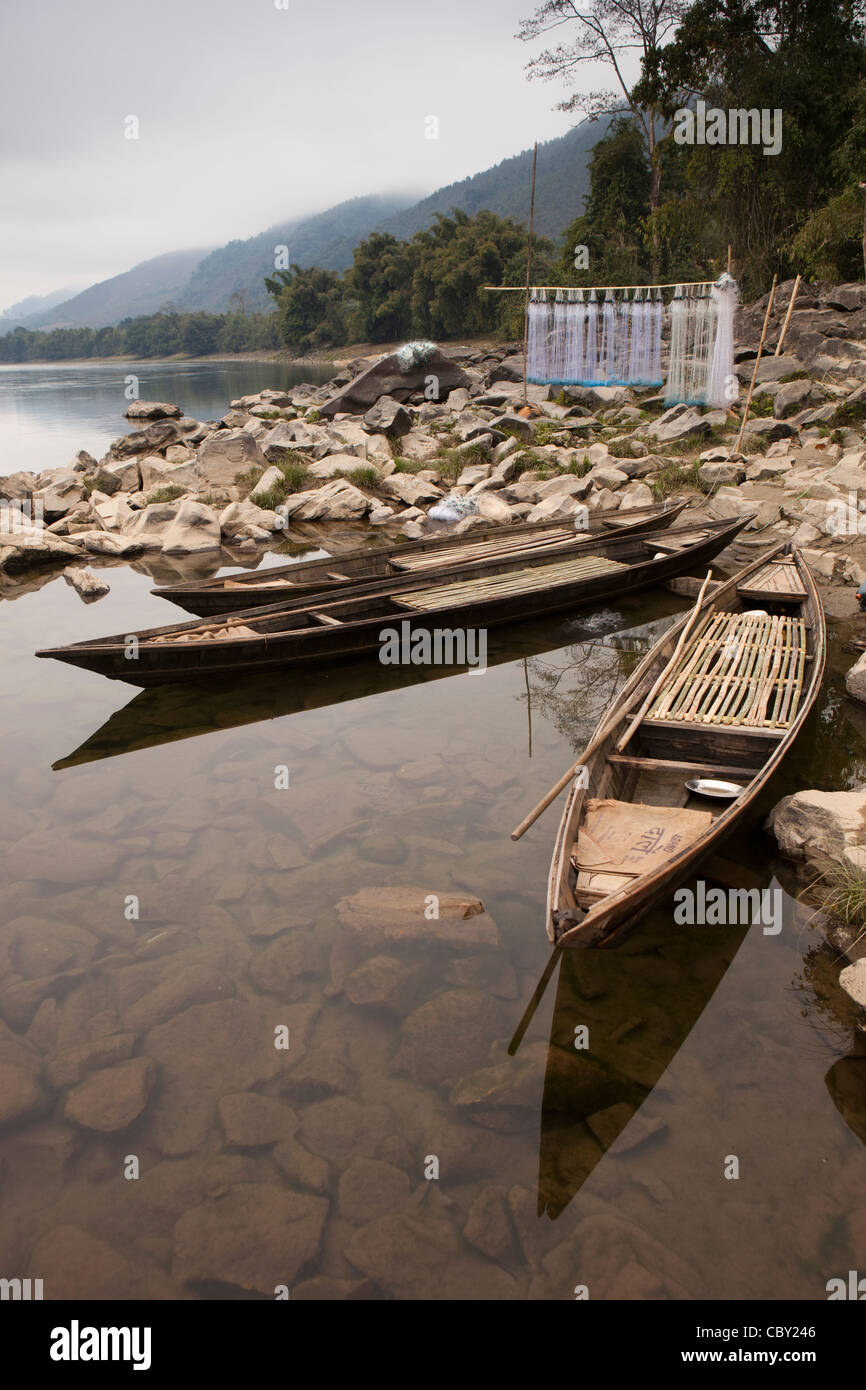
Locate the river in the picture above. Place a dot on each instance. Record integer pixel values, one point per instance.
(48, 413)
(232, 1079)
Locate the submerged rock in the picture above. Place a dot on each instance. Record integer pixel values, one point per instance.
(256, 1237)
(406, 914)
(111, 1099)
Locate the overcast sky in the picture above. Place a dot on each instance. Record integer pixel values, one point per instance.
(249, 114)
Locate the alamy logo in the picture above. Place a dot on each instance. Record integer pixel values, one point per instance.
(736, 907)
(440, 646)
(854, 1288)
(20, 1289)
(77, 1343)
(23, 516)
(737, 127)
(846, 518)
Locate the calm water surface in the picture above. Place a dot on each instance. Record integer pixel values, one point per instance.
(314, 1166)
(48, 413)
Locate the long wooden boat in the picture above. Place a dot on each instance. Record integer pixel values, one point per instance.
(230, 593)
(722, 696)
(358, 621)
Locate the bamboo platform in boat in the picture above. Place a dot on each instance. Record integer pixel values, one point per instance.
(668, 546)
(485, 550)
(522, 581)
(739, 669)
(777, 581)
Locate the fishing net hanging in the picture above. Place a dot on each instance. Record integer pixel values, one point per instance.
(580, 339)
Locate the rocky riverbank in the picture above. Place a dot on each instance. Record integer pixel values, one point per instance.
(389, 437)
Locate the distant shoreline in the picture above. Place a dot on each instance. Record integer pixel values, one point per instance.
(261, 356)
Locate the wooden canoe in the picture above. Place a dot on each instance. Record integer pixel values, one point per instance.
(729, 707)
(355, 622)
(231, 593)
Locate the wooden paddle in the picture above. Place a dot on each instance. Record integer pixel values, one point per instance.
(660, 681)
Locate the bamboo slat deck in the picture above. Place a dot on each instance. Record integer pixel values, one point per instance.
(778, 580)
(487, 550)
(739, 669)
(521, 581)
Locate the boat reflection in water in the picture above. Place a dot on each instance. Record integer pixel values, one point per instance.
(619, 1019)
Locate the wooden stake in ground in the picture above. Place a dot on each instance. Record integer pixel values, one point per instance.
(529, 272)
(757, 364)
(787, 317)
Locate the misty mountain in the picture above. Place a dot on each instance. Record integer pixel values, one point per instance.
(33, 304)
(216, 280)
(142, 290)
(326, 239)
(561, 182)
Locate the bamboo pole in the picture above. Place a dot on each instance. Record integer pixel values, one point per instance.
(787, 317)
(736, 448)
(529, 273)
(667, 667)
(674, 284)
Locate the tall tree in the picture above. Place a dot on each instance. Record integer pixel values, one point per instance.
(612, 32)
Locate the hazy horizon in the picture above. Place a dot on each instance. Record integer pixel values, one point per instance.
(248, 117)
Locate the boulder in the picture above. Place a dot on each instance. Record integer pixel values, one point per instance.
(242, 519)
(335, 501)
(409, 488)
(227, 454)
(683, 422)
(290, 435)
(715, 474)
(152, 439)
(855, 680)
(86, 583)
(492, 508)
(195, 529)
(819, 826)
(853, 981)
(399, 375)
(153, 410)
(791, 397)
(388, 416)
(271, 478)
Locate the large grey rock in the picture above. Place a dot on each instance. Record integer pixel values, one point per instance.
(409, 488)
(335, 501)
(226, 455)
(291, 435)
(195, 529)
(683, 422)
(271, 478)
(853, 981)
(436, 375)
(855, 680)
(819, 826)
(388, 416)
(153, 410)
(150, 440)
(791, 397)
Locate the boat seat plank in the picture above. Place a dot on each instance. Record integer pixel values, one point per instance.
(668, 765)
(325, 618)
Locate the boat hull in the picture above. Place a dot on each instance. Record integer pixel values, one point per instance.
(147, 663)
